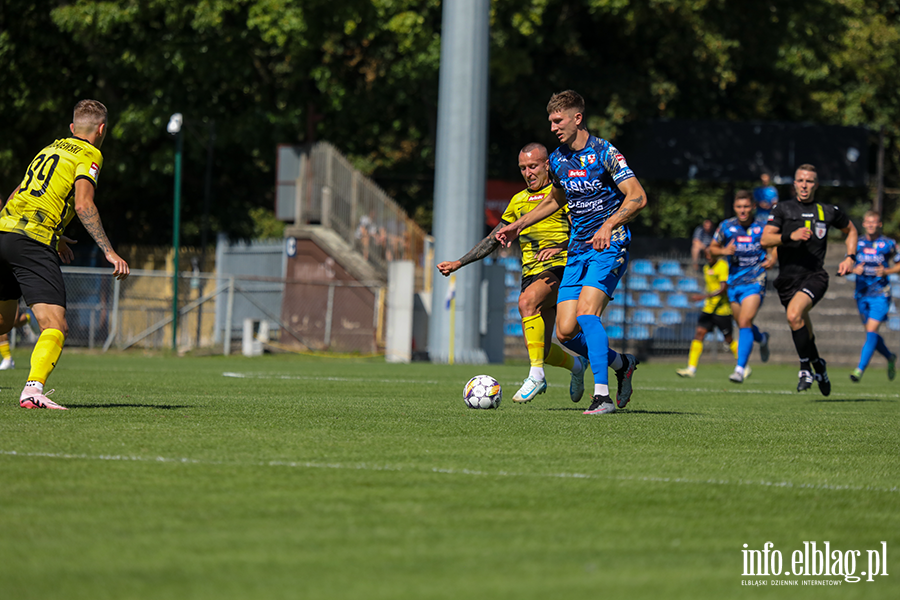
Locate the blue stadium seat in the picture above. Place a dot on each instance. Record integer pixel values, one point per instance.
(615, 332)
(629, 300)
(670, 317)
(671, 268)
(892, 309)
(688, 285)
(894, 278)
(637, 283)
(678, 301)
(643, 317)
(512, 264)
(511, 280)
(894, 323)
(895, 289)
(512, 314)
(642, 266)
(716, 336)
(512, 296)
(663, 284)
(650, 300)
(512, 329)
(616, 315)
(638, 332)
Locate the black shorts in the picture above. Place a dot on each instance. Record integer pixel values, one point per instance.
(813, 284)
(30, 269)
(708, 321)
(556, 271)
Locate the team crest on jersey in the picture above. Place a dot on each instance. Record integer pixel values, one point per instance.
(577, 173)
(588, 159)
(94, 170)
(755, 230)
(821, 229)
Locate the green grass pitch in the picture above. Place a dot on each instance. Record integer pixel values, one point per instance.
(326, 478)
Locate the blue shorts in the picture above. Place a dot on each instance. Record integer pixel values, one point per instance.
(601, 270)
(739, 292)
(873, 307)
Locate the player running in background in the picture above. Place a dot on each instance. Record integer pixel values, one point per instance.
(603, 195)
(799, 229)
(543, 261)
(716, 311)
(58, 184)
(738, 239)
(873, 290)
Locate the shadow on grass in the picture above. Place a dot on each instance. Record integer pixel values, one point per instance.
(632, 412)
(129, 405)
(853, 400)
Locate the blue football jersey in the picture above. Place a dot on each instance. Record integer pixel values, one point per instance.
(872, 254)
(590, 178)
(746, 264)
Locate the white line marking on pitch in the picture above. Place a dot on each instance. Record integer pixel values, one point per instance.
(450, 471)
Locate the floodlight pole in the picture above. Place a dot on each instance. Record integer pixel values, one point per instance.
(174, 127)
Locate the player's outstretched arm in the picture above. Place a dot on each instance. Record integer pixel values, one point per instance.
(555, 200)
(634, 202)
(849, 261)
(90, 218)
(480, 251)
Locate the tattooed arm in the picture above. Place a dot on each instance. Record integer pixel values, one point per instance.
(481, 250)
(634, 202)
(90, 218)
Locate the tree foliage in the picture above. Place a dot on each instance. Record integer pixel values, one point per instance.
(363, 74)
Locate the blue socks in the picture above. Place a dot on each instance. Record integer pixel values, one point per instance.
(873, 342)
(757, 334)
(577, 344)
(598, 348)
(745, 345)
(882, 347)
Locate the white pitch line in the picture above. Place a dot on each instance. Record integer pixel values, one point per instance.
(312, 378)
(451, 471)
(766, 392)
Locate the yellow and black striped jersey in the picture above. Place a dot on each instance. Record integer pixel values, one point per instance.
(552, 231)
(715, 276)
(45, 201)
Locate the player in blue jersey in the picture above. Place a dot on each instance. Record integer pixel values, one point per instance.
(738, 238)
(873, 290)
(603, 194)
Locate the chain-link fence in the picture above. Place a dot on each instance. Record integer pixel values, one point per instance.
(139, 312)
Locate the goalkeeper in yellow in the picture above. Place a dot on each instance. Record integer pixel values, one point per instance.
(58, 184)
(543, 261)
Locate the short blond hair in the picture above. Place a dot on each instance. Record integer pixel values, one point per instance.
(88, 114)
(566, 100)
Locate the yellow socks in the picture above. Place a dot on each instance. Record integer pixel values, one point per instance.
(4, 350)
(533, 327)
(733, 347)
(45, 355)
(694, 355)
(559, 358)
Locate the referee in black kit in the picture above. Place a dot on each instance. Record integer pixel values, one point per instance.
(799, 228)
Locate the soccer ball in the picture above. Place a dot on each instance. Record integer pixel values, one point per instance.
(482, 391)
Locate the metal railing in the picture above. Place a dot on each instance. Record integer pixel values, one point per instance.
(331, 192)
(137, 311)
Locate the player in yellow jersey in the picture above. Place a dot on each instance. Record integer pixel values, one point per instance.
(58, 184)
(543, 261)
(716, 312)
